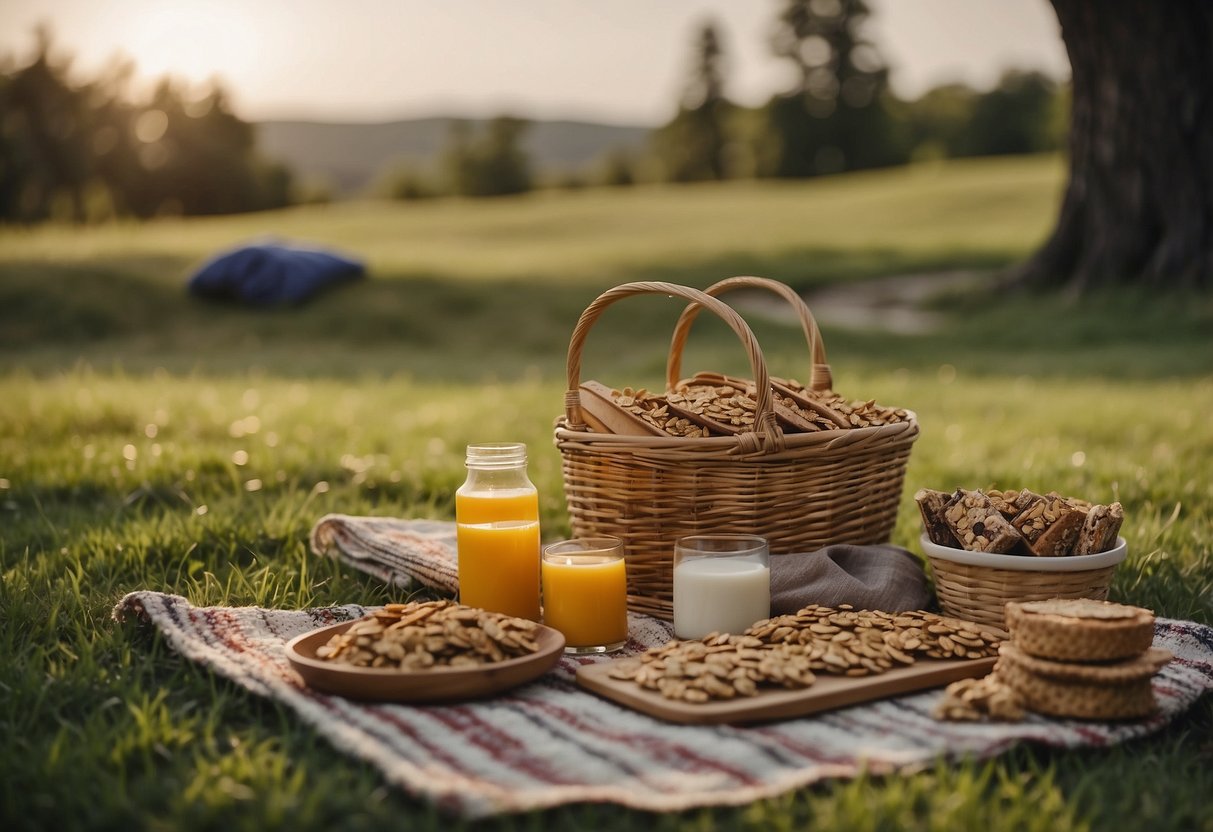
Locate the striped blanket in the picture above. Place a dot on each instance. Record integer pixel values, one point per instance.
(550, 743)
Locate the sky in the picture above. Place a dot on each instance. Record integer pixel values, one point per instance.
(620, 61)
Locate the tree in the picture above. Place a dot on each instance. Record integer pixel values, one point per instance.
(694, 145)
(1014, 117)
(458, 162)
(1139, 204)
(617, 169)
(406, 181)
(504, 166)
(491, 164)
(835, 116)
(1024, 113)
(45, 153)
(80, 151)
(939, 121)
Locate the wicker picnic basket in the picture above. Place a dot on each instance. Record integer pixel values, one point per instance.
(801, 491)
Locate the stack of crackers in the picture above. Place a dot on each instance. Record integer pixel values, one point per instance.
(1019, 522)
(1076, 658)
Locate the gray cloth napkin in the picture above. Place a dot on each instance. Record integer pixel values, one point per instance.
(876, 577)
(403, 552)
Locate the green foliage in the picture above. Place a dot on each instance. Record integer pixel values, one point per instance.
(837, 117)
(84, 152)
(939, 121)
(617, 169)
(1017, 116)
(313, 190)
(693, 146)
(196, 157)
(570, 181)
(407, 182)
(840, 114)
(492, 164)
(45, 163)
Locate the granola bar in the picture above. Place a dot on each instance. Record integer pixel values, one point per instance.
(931, 505)
(1099, 529)
(978, 525)
(1049, 524)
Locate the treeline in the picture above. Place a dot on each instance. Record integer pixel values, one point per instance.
(839, 115)
(491, 163)
(90, 151)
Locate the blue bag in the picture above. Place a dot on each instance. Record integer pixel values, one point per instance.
(272, 274)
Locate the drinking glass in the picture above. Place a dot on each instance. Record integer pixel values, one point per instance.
(722, 583)
(585, 593)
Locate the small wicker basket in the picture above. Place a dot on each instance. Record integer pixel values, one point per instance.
(976, 586)
(800, 491)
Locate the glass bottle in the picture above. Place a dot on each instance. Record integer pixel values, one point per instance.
(497, 517)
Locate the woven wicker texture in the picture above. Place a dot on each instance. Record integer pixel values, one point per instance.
(980, 593)
(800, 491)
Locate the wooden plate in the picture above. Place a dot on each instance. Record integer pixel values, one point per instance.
(827, 693)
(441, 684)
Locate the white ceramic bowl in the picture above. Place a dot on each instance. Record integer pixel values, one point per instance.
(1028, 563)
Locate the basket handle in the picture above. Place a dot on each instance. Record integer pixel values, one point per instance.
(767, 435)
(819, 370)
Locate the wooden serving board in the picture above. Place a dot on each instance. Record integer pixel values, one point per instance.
(827, 693)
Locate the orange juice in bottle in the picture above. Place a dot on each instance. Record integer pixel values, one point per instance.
(497, 517)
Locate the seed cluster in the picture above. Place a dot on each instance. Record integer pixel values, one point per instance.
(656, 411)
(802, 416)
(702, 407)
(858, 414)
(969, 700)
(789, 650)
(723, 407)
(429, 634)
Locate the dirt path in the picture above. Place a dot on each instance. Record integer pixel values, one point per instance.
(886, 304)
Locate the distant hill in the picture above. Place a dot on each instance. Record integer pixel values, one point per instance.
(352, 155)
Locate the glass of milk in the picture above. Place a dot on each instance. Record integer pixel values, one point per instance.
(722, 583)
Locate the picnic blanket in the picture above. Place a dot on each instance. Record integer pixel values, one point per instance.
(549, 742)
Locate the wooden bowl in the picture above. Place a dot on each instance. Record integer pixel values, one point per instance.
(438, 684)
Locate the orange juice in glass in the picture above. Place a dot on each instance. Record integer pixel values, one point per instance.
(585, 593)
(497, 517)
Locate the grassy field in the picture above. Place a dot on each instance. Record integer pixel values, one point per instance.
(505, 272)
(147, 441)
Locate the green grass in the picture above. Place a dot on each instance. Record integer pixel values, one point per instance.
(977, 211)
(514, 270)
(150, 442)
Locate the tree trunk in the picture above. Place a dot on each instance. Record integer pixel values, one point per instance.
(1139, 205)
